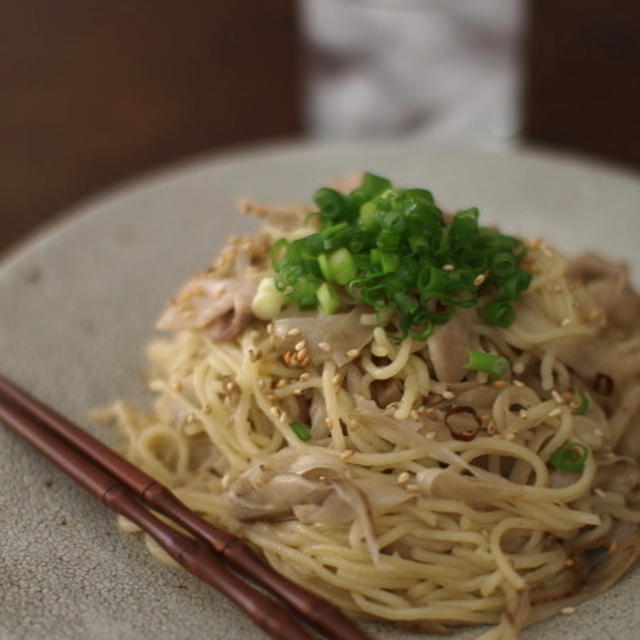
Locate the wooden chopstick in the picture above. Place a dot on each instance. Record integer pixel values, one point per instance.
(315, 610)
(194, 555)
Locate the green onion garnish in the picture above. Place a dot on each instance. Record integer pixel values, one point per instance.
(583, 407)
(570, 457)
(499, 313)
(300, 430)
(328, 299)
(390, 248)
(342, 266)
(489, 362)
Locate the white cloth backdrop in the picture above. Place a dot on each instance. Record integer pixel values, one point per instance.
(443, 70)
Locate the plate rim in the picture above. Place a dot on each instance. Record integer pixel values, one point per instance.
(91, 204)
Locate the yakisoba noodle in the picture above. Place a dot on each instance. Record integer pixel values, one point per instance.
(384, 510)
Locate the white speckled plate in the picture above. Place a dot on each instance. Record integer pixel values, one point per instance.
(77, 304)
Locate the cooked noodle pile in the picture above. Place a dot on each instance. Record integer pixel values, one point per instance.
(425, 494)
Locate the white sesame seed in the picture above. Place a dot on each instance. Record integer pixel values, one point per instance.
(325, 346)
(557, 397)
(598, 432)
(300, 345)
(352, 353)
(431, 435)
(448, 395)
(337, 379)
(518, 368)
(565, 322)
(274, 411)
(567, 611)
(518, 383)
(600, 493)
(412, 487)
(414, 414)
(292, 333)
(448, 267)
(404, 477)
(347, 453)
(328, 422)
(480, 279)
(523, 413)
(510, 436)
(304, 376)
(555, 412)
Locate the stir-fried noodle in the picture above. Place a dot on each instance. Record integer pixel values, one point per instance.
(382, 473)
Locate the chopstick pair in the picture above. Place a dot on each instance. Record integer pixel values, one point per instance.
(124, 488)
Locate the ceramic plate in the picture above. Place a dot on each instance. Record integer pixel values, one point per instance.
(77, 305)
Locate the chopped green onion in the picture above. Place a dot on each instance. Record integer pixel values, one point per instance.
(305, 291)
(503, 263)
(419, 195)
(330, 202)
(498, 313)
(488, 362)
(387, 261)
(277, 252)
(328, 298)
(570, 457)
(392, 249)
(341, 266)
(514, 284)
(323, 263)
(583, 407)
(368, 214)
(373, 185)
(300, 430)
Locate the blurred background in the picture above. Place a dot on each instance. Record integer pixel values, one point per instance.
(98, 91)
